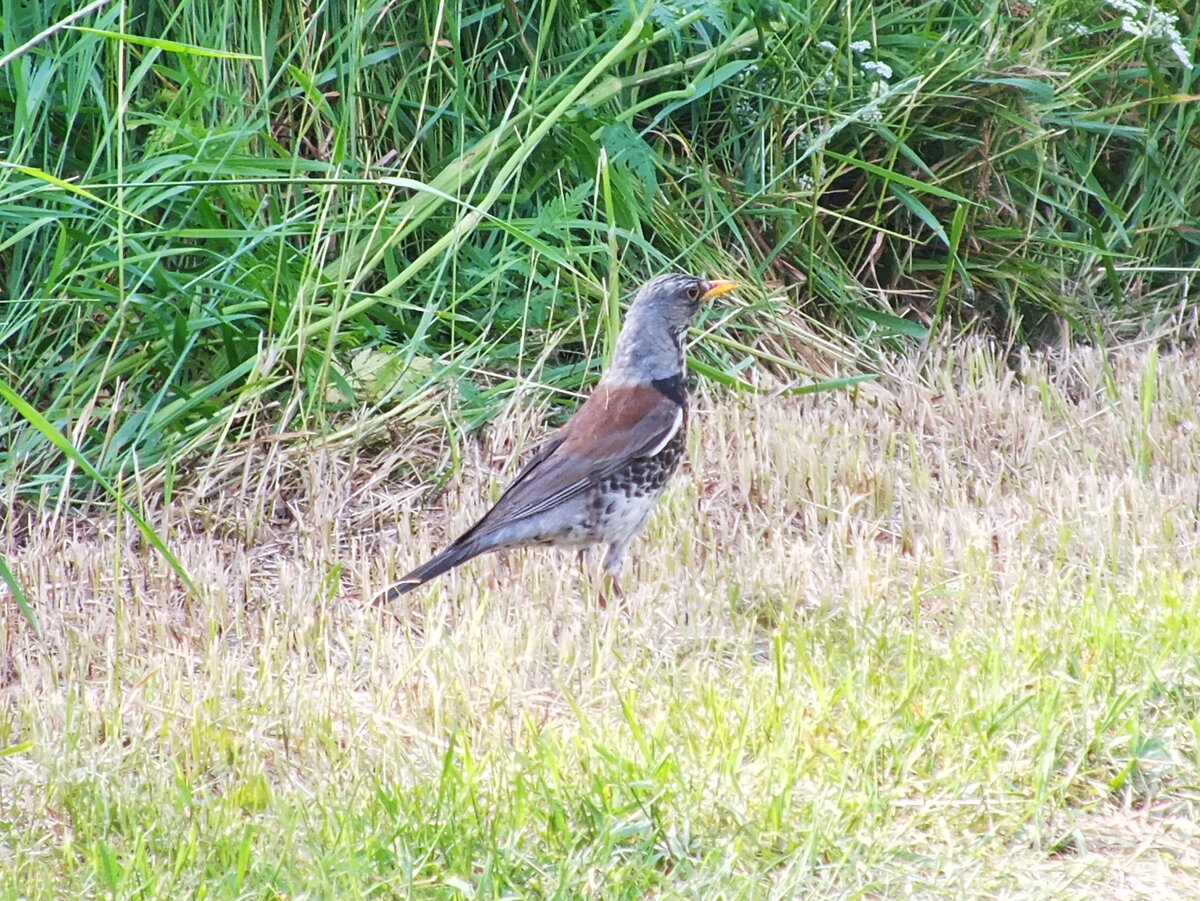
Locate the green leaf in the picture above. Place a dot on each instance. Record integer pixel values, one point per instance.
(166, 46)
(60, 441)
(894, 177)
(1037, 91)
(700, 87)
(893, 325)
(18, 595)
(922, 212)
(625, 147)
(837, 384)
(70, 188)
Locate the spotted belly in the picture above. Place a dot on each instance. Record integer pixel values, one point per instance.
(620, 502)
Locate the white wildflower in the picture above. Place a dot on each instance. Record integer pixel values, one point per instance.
(746, 74)
(1077, 28)
(860, 46)
(883, 70)
(827, 46)
(871, 114)
(798, 138)
(804, 184)
(1147, 21)
(1137, 29)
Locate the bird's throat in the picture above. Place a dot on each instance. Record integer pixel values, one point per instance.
(672, 387)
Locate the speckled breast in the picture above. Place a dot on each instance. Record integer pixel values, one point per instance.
(622, 499)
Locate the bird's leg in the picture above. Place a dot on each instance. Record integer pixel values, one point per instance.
(586, 577)
(613, 561)
(582, 576)
(615, 584)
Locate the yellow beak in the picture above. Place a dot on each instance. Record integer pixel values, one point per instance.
(717, 287)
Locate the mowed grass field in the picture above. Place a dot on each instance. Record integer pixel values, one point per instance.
(938, 637)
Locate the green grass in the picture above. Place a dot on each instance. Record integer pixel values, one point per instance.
(948, 651)
(211, 217)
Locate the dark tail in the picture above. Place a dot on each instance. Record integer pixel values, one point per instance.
(459, 552)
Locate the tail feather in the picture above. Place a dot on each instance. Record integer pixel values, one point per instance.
(445, 560)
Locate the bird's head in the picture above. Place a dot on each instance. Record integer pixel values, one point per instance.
(651, 341)
(673, 300)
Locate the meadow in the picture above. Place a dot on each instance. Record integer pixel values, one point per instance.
(945, 649)
(288, 289)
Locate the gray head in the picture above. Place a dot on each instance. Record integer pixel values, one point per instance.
(651, 342)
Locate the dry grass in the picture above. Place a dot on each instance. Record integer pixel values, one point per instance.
(933, 639)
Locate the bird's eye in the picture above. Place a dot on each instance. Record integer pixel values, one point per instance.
(693, 293)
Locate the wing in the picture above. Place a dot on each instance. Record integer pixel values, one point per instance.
(615, 425)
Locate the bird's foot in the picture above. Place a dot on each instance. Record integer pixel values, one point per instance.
(615, 585)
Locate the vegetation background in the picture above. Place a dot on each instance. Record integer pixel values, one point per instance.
(324, 224)
(220, 219)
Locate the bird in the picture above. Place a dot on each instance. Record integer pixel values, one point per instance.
(596, 479)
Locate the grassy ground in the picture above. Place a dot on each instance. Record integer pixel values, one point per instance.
(933, 639)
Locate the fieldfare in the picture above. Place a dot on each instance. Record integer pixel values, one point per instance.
(596, 479)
